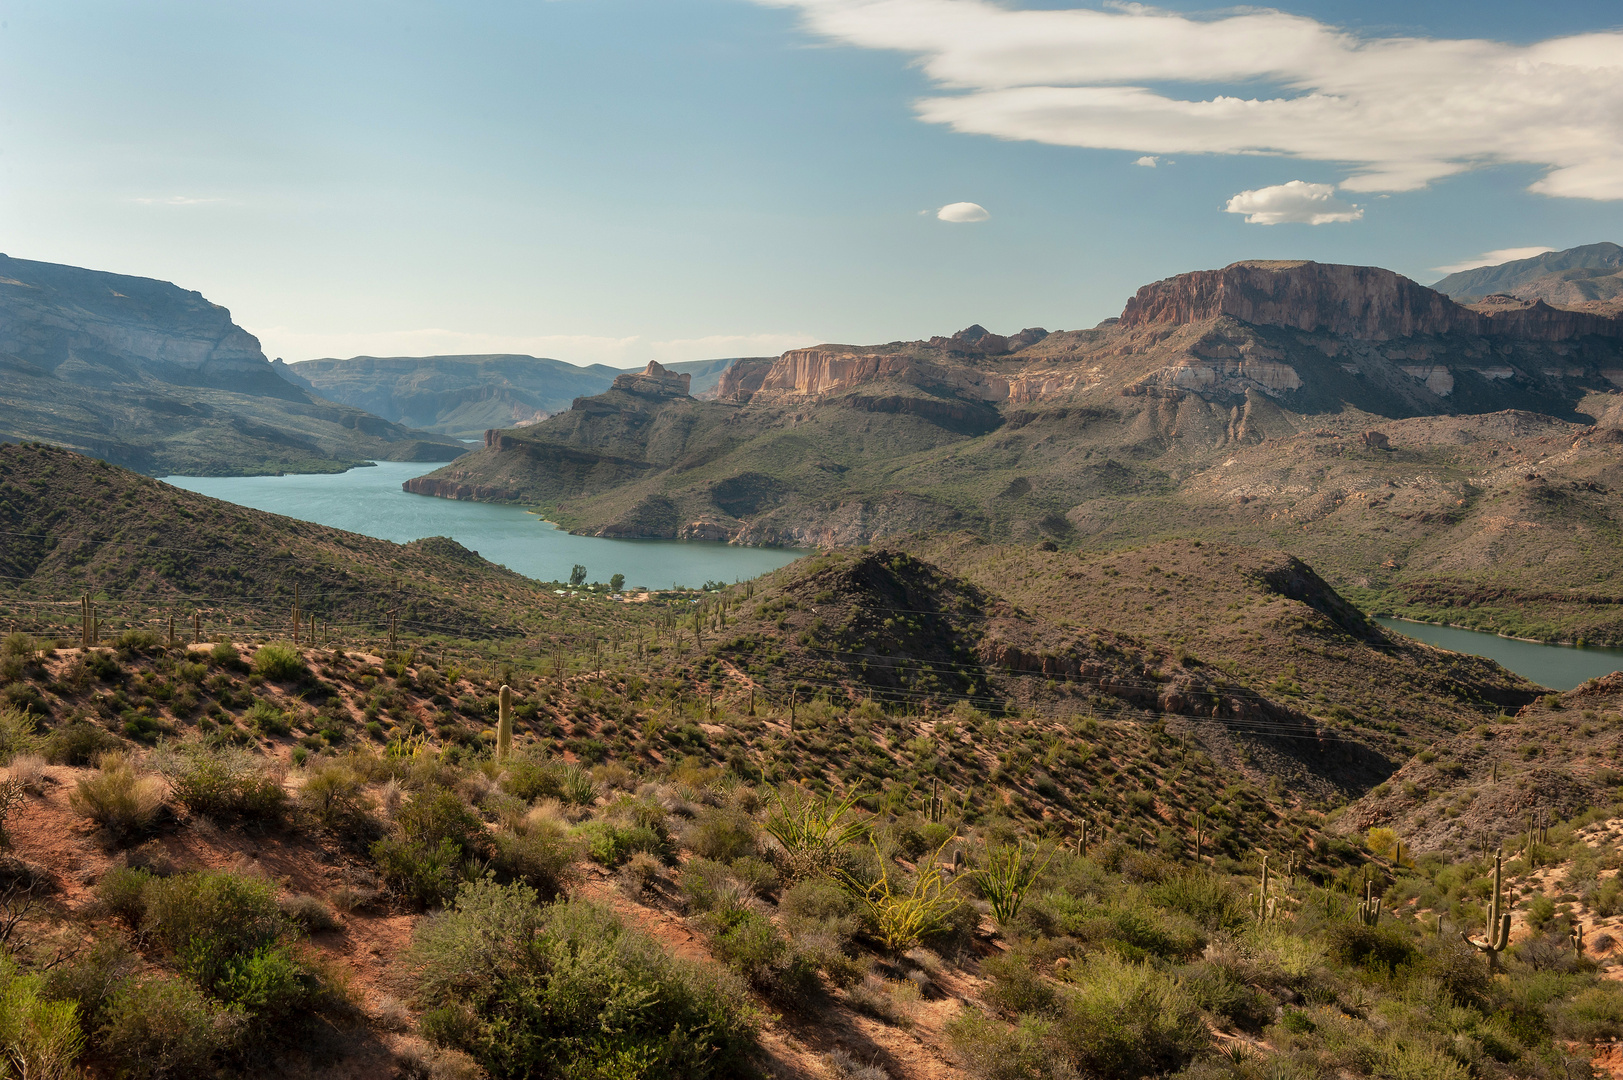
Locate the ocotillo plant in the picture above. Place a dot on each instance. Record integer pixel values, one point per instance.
(504, 723)
(1369, 908)
(1498, 929)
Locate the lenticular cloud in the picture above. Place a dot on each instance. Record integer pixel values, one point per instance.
(1396, 112)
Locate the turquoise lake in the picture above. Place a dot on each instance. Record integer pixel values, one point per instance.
(1560, 667)
(369, 501)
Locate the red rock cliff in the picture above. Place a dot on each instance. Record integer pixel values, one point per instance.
(1355, 301)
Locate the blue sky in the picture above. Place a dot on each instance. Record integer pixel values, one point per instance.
(615, 180)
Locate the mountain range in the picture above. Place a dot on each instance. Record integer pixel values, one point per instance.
(1586, 278)
(462, 396)
(148, 375)
(1431, 457)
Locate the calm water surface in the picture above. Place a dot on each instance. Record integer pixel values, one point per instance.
(1560, 667)
(369, 501)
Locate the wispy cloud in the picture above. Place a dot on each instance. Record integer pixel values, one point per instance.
(1493, 258)
(581, 349)
(1149, 161)
(1297, 202)
(960, 213)
(174, 200)
(1396, 112)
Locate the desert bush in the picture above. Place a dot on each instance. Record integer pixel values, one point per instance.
(640, 874)
(225, 654)
(162, 1027)
(79, 743)
(118, 798)
(1018, 988)
(38, 1037)
(335, 795)
(437, 814)
(309, 914)
(1127, 1020)
(1374, 948)
(1592, 1015)
(1210, 899)
(991, 1050)
(748, 942)
(612, 843)
(221, 782)
(137, 643)
(568, 990)
(267, 719)
(542, 856)
(576, 787)
(722, 834)
(760, 875)
(18, 734)
(280, 663)
(92, 978)
(892, 1001)
(122, 893)
(820, 904)
(421, 874)
(212, 921)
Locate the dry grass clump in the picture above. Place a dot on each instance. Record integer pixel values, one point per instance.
(118, 797)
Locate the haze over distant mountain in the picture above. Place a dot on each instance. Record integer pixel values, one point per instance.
(1576, 276)
(1407, 445)
(155, 377)
(462, 396)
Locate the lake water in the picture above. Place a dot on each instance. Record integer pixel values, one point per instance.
(369, 501)
(1560, 667)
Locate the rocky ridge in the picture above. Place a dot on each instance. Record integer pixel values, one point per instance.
(146, 374)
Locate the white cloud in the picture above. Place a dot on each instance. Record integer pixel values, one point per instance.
(1397, 112)
(962, 212)
(1492, 258)
(579, 349)
(174, 200)
(1296, 202)
(1149, 161)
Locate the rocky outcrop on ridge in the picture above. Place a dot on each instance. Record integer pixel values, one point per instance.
(654, 381)
(1361, 302)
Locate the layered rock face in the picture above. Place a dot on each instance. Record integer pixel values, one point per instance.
(655, 381)
(1361, 302)
(68, 320)
(149, 375)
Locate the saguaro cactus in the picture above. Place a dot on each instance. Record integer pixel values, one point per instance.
(1263, 904)
(1369, 908)
(504, 723)
(1497, 934)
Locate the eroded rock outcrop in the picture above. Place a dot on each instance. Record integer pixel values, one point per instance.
(654, 381)
(1361, 302)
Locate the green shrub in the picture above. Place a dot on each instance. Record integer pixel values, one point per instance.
(541, 857)
(1211, 900)
(92, 978)
(137, 642)
(221, 782)
(611, 843)
(267, 719)
(569, 991)
(1374, 948)
(335, 795)
(749, 943)
(1127, 1020)
(18, 734)
(530, 780)
(122, 891)
(436, 815)
(119, 799)
(226, 655)
(1017, 988)
(38, 1037)
(421, 874)
(1232, 1000)
(992, 1050)
(268, 983)
(280, 663)
(210, 920)
(722, 834)
(164, 1027)
(1593, 1015)
(79, 743)
(309, 914)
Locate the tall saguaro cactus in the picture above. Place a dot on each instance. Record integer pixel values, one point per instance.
(504, 723)
(1369, 908)
(1497, 934)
